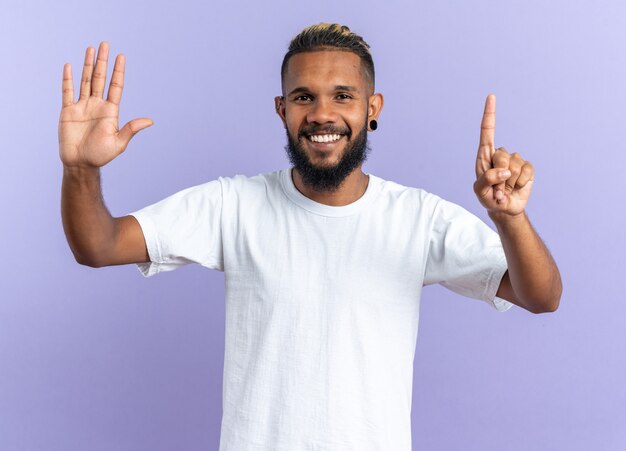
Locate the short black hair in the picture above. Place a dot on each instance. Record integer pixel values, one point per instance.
(325, 36)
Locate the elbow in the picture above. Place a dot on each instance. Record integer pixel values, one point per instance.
(554, 305)
(550, 299)
(548, 304)
(86, 260)
(548, 307)
(88, 253)
(542, 307)
(556, 297)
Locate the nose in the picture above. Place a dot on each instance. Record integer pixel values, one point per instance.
(321, 112)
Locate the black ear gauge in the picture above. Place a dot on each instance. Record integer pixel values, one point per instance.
(373, 124)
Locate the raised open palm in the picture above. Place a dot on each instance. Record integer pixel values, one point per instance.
(88, 129)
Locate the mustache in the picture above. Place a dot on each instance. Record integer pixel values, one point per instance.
(326, 129)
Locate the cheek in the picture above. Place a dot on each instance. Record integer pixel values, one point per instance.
(357, 115)
(293, 129)
(293, 123)
(358, 121)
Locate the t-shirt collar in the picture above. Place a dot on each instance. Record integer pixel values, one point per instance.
(373, 188)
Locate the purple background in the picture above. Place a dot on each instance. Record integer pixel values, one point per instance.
(104, 359)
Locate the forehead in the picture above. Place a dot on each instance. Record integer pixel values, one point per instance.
(324, 67)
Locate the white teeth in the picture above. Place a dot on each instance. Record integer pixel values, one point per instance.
(324, 138)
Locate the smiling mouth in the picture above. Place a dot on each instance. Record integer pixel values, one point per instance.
(327, 138)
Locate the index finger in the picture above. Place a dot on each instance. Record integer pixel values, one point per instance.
(486, 147)
(117, 80)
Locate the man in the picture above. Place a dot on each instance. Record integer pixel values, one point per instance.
(323, 263)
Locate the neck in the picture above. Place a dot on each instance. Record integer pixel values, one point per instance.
(352, 188)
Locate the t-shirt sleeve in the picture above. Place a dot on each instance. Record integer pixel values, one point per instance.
(183, 228)
(465, 255)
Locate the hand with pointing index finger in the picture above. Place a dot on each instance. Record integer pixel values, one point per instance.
(503, 180)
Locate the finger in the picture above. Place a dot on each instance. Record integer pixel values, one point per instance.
(527, 174)
(489, 179)
(68, 86)
(100, 72)
(500, 160)
(486, 146)
(117, 80)
(131, 129)
(85, 80)
(515, 166)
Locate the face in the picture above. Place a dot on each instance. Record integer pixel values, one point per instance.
(326, 106)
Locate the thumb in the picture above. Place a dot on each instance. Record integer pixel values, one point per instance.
(131, 129)
(490, 179)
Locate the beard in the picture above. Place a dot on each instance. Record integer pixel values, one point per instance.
(327, 178)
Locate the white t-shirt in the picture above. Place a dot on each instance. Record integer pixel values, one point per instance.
(322, 302)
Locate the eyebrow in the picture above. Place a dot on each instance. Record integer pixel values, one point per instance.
(300, 89)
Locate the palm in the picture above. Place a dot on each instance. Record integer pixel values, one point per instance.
(88, 132)
(88, 129)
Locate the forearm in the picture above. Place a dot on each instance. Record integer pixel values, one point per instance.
(534, 276)
(89, 227)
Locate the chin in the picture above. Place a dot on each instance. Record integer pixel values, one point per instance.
(324, 159)
(325, 163)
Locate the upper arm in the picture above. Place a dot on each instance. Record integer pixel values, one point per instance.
(464, 254)
(129, 245)
(183, 228)
(505, 290)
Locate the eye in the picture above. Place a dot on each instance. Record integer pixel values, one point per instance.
(344, 96)
(302, 98)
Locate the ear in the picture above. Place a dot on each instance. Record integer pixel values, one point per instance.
(374, 106)
(279, 104)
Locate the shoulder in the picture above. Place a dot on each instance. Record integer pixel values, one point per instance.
(245, 182)
(402, 196)
(246, 188)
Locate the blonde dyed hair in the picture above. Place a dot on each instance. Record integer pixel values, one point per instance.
(331, 36)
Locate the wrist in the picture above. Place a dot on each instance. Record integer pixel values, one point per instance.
(81, 176)
(80, 170)
(501, 219)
